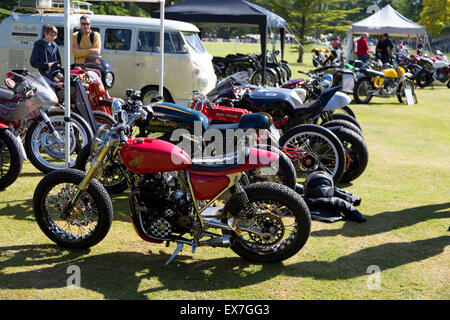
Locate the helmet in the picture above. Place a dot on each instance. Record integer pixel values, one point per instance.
(319, 184)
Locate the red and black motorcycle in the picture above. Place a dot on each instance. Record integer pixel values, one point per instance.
(10, 154)
(172, 199)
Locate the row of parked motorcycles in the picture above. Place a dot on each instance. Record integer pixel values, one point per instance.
(426, 69)
(276, 72)
(184, 188)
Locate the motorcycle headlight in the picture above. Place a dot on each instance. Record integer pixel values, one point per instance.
(122, 116)
(101, 136)
(109, 79)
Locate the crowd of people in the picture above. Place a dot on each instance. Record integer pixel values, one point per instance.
(384, 50)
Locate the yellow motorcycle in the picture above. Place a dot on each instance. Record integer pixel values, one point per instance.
(321, 57)
(393, 80)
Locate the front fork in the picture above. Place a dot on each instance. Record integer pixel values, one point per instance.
(84, 184)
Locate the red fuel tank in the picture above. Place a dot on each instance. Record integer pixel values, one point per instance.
(147, 155)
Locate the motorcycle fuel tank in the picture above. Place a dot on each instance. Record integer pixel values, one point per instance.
(147, 155)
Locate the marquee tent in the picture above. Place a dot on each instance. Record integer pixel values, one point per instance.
(227, 13)
(386, 20)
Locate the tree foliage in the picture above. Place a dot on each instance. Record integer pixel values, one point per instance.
(435, 15)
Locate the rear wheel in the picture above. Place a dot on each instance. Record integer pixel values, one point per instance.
(314, 148)
(112, 177)
(10, 158)
(257, 78)
(343, 123)
(282, 172)
(346, 117)
(356, 153)
(278, 219)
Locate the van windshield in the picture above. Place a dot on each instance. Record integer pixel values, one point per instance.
(194, 42)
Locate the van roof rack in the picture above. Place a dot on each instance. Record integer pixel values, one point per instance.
(54, 6)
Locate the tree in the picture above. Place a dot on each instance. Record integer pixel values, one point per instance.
(435, 15)
(410, 9)
(312, 17)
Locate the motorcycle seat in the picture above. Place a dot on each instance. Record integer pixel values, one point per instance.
(6, 94)
(221, 163)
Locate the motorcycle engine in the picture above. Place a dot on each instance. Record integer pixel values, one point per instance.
(389, 88)
(169, 210)
(440, 74)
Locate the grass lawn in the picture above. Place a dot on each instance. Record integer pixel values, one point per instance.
(405, 196)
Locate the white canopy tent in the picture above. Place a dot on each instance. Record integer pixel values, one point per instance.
(387, 20)
(67, 53)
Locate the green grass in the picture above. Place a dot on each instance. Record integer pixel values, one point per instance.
(405, 196)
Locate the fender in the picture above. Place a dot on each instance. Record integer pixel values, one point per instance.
(22, 149)
(338, 100)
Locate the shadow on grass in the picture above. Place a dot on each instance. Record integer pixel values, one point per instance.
(119, 275)
(17, 209)
(388, 221)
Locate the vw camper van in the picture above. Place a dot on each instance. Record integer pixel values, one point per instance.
(130, 44)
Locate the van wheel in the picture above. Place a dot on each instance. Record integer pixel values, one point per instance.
(150, 94)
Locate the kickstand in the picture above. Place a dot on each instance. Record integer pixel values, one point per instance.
(177, 250)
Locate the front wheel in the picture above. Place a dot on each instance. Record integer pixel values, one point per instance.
(401, 95)
(45, 149)
(10, 158)
(277, 219)
(314, 148)
(362, 92)
(88, 222)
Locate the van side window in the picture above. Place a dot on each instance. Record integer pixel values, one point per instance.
(148, 41)
(117, 39)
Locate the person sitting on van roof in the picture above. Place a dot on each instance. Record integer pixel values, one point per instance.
(45, 55)
(85, 42)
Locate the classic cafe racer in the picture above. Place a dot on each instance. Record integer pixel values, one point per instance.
(172, 199)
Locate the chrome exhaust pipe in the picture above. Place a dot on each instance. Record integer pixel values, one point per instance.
(224, 241)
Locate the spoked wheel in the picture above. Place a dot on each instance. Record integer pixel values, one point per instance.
(362, 90)
(401, 95)
(88, 222)
(314, 148)
(356, 153)
(10, 158)
(274, 224)
(112, 177)
(282, 171)
(257, 78)
(45, 149)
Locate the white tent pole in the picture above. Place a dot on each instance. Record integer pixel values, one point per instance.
(67, 50)
(161, 45)
(349, 44)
